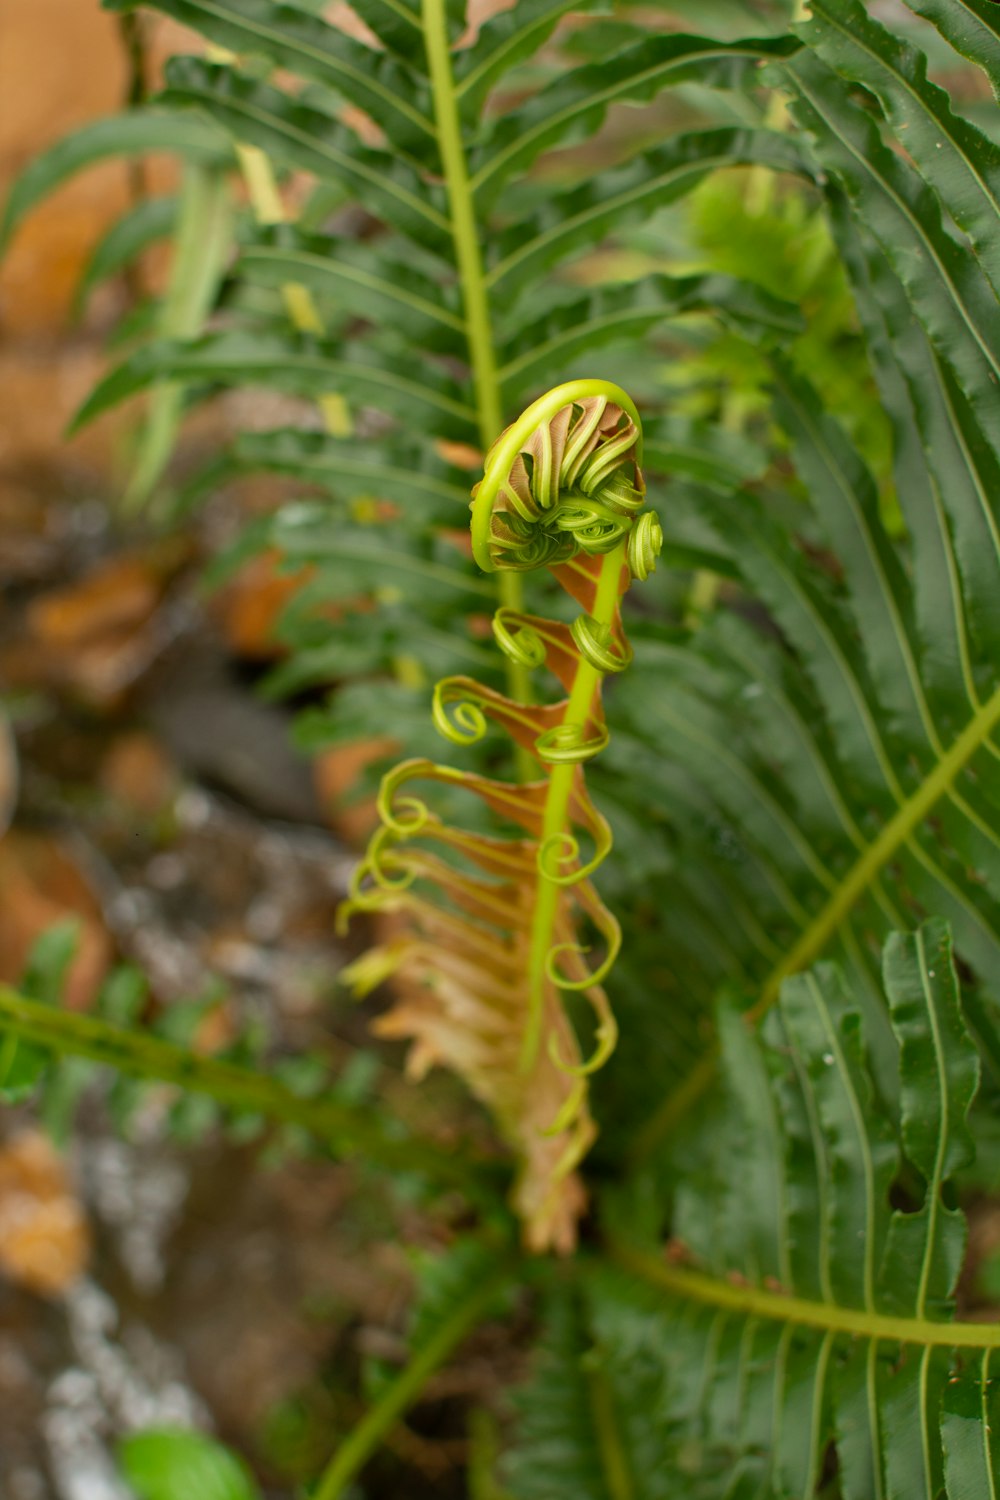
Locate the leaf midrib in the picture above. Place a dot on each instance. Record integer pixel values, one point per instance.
(893, 836)
(753, 1301)
(861, 877)
(464, 230)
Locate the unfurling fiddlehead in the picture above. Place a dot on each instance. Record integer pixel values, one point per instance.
(489, 942)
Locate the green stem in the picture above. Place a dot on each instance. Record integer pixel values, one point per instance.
(756, 1302)
(475, 296)
(361, 1443)
(614, 1459)
(555, 820)
(343, 1128)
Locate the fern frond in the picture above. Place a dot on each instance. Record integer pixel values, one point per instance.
(151, 220)
(574, 220)
(297, 134)
(298, 364)
(136, 133)
(970, 27)
(953, 155)
(394, 470)
(491, 936)
(358, 280)
(387, 89)
(620, 315)
(505, 40)
(576, 105)
(872, 737)
(797, 1313)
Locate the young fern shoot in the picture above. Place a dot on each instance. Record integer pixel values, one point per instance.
(489, 942)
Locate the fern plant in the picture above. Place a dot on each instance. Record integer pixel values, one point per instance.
(491, 958)
(802, 777)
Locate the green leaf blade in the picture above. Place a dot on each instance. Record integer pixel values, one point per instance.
(574, 220)
(970, 1432)
(176, 1464)
(577, 104)
(295, 363)
(355, 279)
(298, 135)
(290, 37)
(139, 132)
(953, 155)
(971, 28)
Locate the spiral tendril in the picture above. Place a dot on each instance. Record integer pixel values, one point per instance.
(568, 744)
(569, 483)
(597, 644)
(596, 977)
(607, 1040)
(488, 955)
(523, 645)
(644, 545)
(466, 724)
(405, 816)
(563, 848)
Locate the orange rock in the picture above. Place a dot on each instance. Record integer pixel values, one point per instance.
(40, 389)
(249, 607)
(8, 775)
(138, 773)
(41, 886)
(122, 592)
(44, 1239)
(49, 90)
(337, 772)
(97, 636)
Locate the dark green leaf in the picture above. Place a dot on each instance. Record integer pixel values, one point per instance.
(137, 133)
(577, 104)
(306, 44)
(621, 198)
(295, 135)
(505, 40)
(955, 157)
(624, 314)
(947, 289)
(357, 279)
(399, 24)
(152, 219)
(295, 363)
(778, 1337)
(405, 473)
(971, 27)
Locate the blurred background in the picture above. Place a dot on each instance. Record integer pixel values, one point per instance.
(165, 825)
